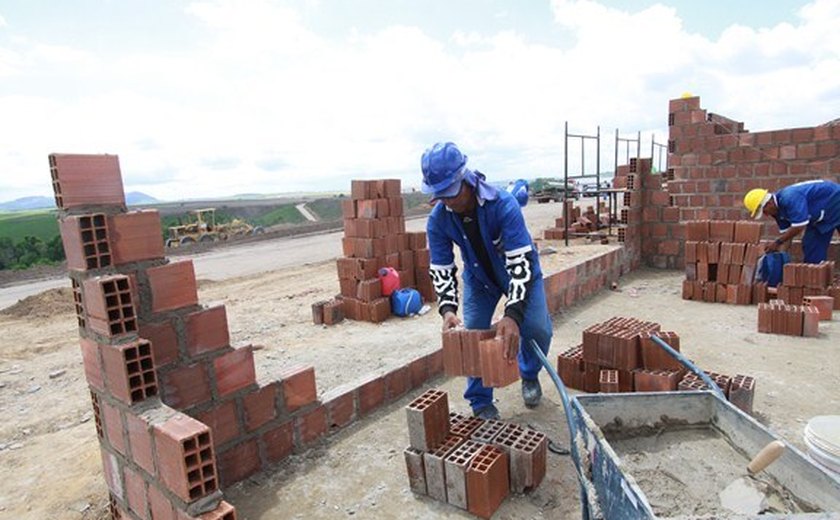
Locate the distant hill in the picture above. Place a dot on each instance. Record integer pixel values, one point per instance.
(25, 203)
(28, 203)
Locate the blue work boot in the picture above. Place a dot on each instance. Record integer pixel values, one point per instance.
(531, 392)
(488, 413)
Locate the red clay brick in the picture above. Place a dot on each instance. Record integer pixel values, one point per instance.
(184, 457)
(434, 361)
(207, 330)
(340, 403)
(428, 420)
(86, 241)
(260, 406)
(173, 286)
(135, 493)
(86, 180)
(487, 481)
(299, 388)
(311, 426)
(239, 462)
(164, 341)
(112, 470)
(371, 394)
(140, 441)
(496, 371)
(135, 236)
(235, 370)
(279, 442)
(453, 360)
(185, 386)
(92, 363)
(112, 421)
(129, 371)
(396, 383)
(109, 305)
(159, 505)
(418, 372)
(824, 304)
(222, 421)
(456, 465)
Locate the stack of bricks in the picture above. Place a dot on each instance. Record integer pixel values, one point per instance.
(739, 390)
(579, 223)
(632, 177)
(801, 280)
(618, 355)
(328, 312)
(375, 237)
(479, 353)
(777, 317)
(720, 262)
(468, 462)
(178, 411)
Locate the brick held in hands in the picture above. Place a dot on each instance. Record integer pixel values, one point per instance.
(173, 286)
(453, 359)
(433, 464)
(470, 340)
(415, 470)
(86, 241)
(130, 371)
(109, 304)
(428, 420)
(455, 468)
(487, 481)
(184, 456)
(86, 180)
(135, 236)
(496, 370)
(299, 388)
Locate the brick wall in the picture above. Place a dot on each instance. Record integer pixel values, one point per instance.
(713, 161)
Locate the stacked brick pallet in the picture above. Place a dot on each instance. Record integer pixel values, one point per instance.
(739, 390)
(720, 262)
(801, 280)
(777, 317)
(178, 411)
(375, 237)
(479, 353)
(618, 355)
(579, 223)
(468, 462)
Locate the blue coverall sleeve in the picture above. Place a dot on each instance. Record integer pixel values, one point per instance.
(442, 266)
(519, 253)
(795, 210)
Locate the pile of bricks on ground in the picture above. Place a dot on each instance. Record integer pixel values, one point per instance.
(618, 355)
(777, 317)
(178, 411)
(480, 353)
(808, 280)
(375, 237)
(468, 462)
(720, 262)
(579, 223)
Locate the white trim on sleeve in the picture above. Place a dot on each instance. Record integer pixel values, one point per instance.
(438, 267)
(799, 224)
(519, 251)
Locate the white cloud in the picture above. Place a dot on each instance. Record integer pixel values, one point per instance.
(261, 102)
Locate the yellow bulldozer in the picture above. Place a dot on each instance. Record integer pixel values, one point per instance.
(203, 228)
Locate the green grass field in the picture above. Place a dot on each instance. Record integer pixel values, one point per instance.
(285, 214)
(19, 224)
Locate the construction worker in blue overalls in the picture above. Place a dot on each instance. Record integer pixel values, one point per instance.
(810, 206)
(499, 258)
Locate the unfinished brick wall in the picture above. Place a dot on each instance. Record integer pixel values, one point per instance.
(713, 161)
(179, 412)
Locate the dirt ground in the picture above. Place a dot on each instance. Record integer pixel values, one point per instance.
(48, 443)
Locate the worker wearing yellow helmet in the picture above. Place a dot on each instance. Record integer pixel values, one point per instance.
(812, 207)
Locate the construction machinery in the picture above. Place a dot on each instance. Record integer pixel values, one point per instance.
(553, 190)
(204, 229)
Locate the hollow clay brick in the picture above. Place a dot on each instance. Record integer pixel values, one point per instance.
(299, 388)
(173, 286)
(414, 469)
(207, 330)
(185, 458)
(433, 465)
(496, 370)
(428, 420)
(86, 180)
(455, 469)
(235, 370)
(135, 236)
(487, 481)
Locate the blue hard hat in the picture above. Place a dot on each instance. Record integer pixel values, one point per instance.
(443, 166)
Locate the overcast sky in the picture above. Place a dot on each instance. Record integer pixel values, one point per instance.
(218, 97)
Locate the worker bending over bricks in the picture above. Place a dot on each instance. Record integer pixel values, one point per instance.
(499, 259)
(810, 206)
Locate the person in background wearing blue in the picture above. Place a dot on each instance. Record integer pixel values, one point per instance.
(810, 206)
(519, 190)
(499, 258)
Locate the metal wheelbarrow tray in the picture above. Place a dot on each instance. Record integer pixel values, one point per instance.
(680, 444)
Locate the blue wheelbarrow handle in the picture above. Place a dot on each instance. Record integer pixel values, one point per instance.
(689, 365)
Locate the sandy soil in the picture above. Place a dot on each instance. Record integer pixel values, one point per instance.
(48, 442)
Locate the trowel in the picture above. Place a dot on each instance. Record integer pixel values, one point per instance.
(746, 495)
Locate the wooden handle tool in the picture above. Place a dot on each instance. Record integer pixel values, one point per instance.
(766, 456)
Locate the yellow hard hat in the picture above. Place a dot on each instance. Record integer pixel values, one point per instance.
(755, 200)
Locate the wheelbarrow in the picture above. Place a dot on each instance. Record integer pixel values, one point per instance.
(609, 491)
